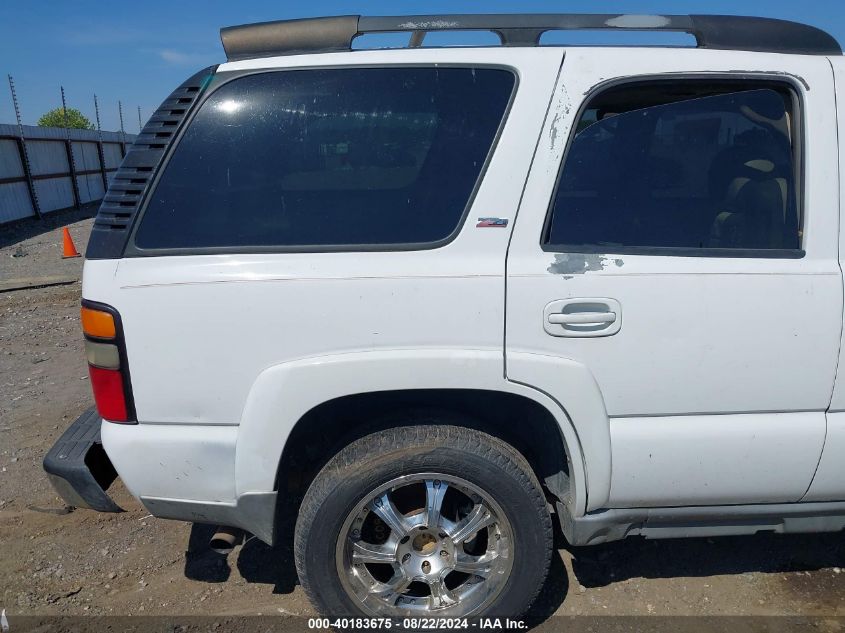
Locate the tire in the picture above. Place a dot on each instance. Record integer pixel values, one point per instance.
(426, 521)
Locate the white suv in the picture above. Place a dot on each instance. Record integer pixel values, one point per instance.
(426, 299)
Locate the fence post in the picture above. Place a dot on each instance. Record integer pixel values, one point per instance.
(122, 133)
(24, 154)
(77, 202)
(101, 155)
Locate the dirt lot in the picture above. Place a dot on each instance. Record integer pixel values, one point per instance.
(81, 563)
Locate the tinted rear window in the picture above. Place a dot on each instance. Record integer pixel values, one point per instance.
(321, 158)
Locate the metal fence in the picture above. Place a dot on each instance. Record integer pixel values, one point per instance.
(48, 169)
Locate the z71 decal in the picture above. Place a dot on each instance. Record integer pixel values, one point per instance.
(492, 223)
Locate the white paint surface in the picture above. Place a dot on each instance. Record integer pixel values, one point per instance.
(172, 460)
(713, 460)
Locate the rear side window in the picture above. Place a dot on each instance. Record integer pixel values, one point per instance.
(347, 158)
(686, 165)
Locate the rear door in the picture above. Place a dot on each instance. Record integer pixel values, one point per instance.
(678, 238)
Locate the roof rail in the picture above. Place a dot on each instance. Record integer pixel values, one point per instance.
(327, 34)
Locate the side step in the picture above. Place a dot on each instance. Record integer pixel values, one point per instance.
(79, 468)
(603, 526)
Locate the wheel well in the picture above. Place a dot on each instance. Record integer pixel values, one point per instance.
(521, 422)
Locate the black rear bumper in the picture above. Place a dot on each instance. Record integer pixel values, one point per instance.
(79, 468)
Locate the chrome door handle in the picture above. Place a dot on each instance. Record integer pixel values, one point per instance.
(582, 318)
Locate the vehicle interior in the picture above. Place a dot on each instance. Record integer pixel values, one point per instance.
(690, 164)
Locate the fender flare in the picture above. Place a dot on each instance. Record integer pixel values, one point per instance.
(573, 388)
(283, 393)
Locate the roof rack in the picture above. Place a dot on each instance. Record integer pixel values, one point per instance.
(328, 34)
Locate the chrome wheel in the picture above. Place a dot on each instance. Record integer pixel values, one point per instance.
(425, 544)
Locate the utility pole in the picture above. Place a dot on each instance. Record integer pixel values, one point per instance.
(139, 120)
(24, 154)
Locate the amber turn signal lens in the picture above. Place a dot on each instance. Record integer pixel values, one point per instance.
(97, 323)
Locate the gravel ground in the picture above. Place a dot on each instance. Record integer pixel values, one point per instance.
(84, 563)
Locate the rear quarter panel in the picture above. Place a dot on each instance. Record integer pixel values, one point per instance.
(200, 329)
(256, 340)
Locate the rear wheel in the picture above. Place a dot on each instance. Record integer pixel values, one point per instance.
(424, 521)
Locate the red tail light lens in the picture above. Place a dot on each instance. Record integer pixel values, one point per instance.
(107, 366)
(108, 393)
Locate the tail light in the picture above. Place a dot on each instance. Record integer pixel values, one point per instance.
(107, 366)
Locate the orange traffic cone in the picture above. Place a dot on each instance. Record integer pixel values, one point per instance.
(68, 248)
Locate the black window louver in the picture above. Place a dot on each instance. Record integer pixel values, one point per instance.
(130, 182)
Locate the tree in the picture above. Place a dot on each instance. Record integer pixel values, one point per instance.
(56, 118)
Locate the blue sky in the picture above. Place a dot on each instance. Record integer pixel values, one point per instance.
(138, 52)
